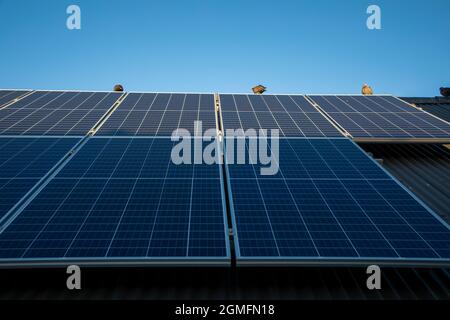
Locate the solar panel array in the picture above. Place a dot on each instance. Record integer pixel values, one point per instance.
(56, 113)
(383, 117)
(115, 195)
(6, 96)
(159, 114)
(293, 116)
(119, 199)
(328, 203)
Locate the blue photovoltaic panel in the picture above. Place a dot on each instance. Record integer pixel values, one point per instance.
(382, 117)
(68, 100)
(123, 199)
(9, 95)
(56, 113)
(159, 114)
(23, 161)
(292, 115)
(330, 203)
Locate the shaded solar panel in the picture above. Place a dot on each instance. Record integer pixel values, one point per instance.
(23, 161)
(330, 203)
(56, 113)
(9, 95)
(123, 199)
(293, 116)
(383, 117)
(160, 114)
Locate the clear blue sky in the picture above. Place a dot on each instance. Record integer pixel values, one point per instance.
(227, 46)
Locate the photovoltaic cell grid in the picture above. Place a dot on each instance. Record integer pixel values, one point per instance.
(9, 95)
(55, 113)
(23, 161)
(330, 202)
(122, 198)
(382, 117)
(159, 114)
(293, 116)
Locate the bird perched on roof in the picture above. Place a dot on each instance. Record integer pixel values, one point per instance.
(445, 92)
(367, 90)
(118, 88)
(259, 89)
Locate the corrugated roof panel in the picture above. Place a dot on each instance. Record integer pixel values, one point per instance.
(423, 168)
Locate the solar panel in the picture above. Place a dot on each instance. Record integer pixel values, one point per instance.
(123, 200)
(329, 203)
(55, 113)
(292, 115)
(382, 117)
(159, 114)
(9, 95)
(23, 161)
